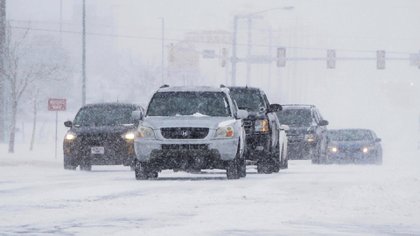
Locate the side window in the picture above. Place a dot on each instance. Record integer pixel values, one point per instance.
(315, 114)
(267, 103)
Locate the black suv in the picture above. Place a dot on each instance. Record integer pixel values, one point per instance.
(307, 135)
(263, 144)
(101, 134)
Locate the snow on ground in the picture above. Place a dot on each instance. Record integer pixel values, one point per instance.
(38, 197)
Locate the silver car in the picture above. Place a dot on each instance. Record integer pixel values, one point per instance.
(191, 128)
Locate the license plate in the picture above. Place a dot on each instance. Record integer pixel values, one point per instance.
(97, 150)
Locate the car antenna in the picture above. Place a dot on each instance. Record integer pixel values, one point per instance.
(164, 86)
(222, 86)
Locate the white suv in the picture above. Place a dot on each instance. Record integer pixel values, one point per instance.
(191, 128)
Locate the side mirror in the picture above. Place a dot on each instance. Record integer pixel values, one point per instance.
(242, 114)
(275, 108)
(68, 124)
(137, 115)
(323, 123)
(378, 140)
(284, 127)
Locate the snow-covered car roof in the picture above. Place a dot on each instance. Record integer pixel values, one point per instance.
(110, 104)
(297, 106)
(192, 89)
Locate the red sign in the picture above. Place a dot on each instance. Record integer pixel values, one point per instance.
(56, 104)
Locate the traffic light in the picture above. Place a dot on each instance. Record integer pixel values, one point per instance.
(281, 57)
(331, 59)
(380, 59)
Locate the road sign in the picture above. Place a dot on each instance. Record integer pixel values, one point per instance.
(331, 59)
(56, 104)
(380, 59)
(281, 57)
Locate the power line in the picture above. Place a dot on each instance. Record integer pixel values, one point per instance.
(201, 42)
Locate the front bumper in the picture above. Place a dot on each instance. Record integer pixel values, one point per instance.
(221, 149)
(299, 149)
(352, 157)
(114, 153)
(257, 146)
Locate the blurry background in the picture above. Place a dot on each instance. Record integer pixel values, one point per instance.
(125, 61)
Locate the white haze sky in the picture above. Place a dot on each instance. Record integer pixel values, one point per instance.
(355, 94)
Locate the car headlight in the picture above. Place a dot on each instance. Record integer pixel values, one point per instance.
(145, 132)
(131, 135)
(310, 138)
(225, 132)
(70, 136)
(333, 149)
(262, 126)
(365, 150)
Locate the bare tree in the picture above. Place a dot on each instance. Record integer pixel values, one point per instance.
(22, 69)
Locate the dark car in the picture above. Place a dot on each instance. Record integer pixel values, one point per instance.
(354, 146)
(307, 134)
(264, 144)
(101, 134)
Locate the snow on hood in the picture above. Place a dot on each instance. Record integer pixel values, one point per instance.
(157, 122)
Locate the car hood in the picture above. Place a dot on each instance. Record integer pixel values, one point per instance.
(119, 129)
(294, 130)
(157, 122)
(351, 144)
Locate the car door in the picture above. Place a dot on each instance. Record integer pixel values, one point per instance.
(321, 130)
(273, 121)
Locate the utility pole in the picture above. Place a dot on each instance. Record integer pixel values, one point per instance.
(61, 20)
(84, 54)
(248, 63)
(3, 103)
(234, 58)
(163, 50)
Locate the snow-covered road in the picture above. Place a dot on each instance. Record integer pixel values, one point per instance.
(39, 197)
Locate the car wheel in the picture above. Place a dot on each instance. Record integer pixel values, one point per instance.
(242, 167)
(266, 166)
(86, 167)
(232, 170)
(285, 160)
(68, 165)
(316, 156)
(142, 171)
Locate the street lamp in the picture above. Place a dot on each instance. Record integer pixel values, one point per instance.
(248, 16)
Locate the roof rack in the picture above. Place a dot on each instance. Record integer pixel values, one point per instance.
(164, 86)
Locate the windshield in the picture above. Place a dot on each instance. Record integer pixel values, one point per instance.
(189, 104)
(248, 99)
(350, 135)
(104, 116)
(295, 117)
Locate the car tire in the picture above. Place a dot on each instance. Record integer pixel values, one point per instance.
(232, 171)
(242, 168)
(266, 166)
(317, 155)
(285, 160)
(68, 165)
(85, 167)
(142, 171)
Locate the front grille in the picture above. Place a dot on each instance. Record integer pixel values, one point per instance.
(185, 147)
(184, 133)
(248, 124)
(100, 139)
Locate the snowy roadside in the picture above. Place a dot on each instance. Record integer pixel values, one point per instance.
(38, 197)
